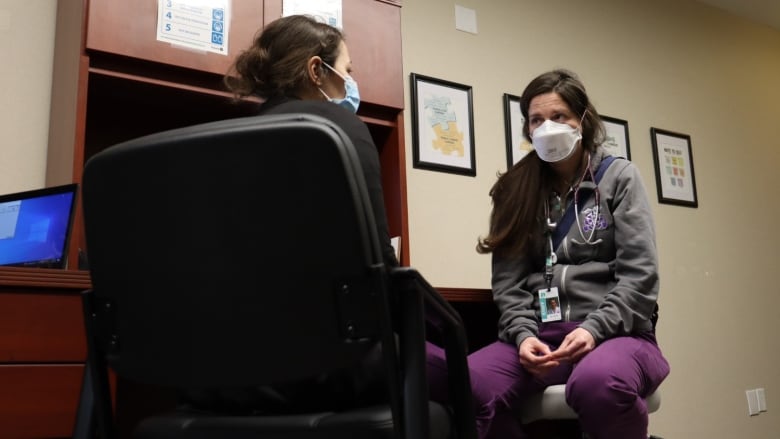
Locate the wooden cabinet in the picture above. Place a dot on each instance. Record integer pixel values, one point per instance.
(113, 81)
(130, 29)
(372, 29)
(42, 351)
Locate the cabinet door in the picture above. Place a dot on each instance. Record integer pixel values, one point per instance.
(372, 29)
(36, 326)
(129, 28)
(373, 33)
(39, 400)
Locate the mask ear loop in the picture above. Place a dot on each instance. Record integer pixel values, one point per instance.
(336, 72)
(321, 68)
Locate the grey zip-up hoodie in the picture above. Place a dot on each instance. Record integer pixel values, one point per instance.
(610, 287)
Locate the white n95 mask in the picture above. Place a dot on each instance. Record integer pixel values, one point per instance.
(555, 141)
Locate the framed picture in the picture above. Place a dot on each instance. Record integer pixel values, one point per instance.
(616, 140)
(517, 146)
(442, 126)
(673, 159)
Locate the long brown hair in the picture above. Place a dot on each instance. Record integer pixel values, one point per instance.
(517, 218)
(275, 64)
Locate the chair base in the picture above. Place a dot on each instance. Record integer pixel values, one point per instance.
(368, 423)
(557, 429)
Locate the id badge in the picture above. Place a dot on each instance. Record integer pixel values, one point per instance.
(550, 305)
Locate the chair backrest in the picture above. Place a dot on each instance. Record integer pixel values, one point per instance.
(234, 253)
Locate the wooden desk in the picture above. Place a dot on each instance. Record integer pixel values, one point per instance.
(42, 351)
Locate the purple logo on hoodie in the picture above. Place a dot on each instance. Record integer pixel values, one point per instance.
(589, 222)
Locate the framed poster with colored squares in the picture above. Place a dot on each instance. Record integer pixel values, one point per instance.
(673, 160)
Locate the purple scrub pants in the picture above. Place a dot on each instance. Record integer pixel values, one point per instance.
(606, 388)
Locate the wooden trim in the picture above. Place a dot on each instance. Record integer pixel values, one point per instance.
(77, 236)
(374, 121)
(403, 203)
(44, 278)
(161, 82)
(466, 294)
(273, 8)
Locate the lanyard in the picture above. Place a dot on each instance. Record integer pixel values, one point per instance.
(551, 258)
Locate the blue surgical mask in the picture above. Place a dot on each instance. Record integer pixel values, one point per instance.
(351, 99)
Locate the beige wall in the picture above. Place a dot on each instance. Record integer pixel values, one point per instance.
(671, 64)
(27, 48)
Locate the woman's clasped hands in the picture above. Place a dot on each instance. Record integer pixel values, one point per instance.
(537, 358)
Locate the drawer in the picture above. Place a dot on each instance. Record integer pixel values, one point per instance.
(41, 327)
(38, 401)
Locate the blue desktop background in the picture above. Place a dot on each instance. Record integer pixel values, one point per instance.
(41, 234)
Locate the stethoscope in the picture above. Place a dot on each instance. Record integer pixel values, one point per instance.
(581, 184)
(552, 258)
(595, 212)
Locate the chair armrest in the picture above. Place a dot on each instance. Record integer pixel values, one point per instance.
(419, 303)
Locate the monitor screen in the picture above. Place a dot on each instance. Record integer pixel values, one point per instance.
(35, 226)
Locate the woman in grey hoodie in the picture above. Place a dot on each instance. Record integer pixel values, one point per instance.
(599, 262)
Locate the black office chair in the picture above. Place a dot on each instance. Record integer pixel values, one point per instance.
(242, 253)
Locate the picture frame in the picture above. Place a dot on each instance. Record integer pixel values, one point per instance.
(616, 142)
(674, 174)
(517, 145)
(442, 126)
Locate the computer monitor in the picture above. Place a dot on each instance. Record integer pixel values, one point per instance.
(35, 226)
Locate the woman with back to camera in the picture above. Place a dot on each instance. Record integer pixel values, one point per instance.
(298, 65)
(602, 269)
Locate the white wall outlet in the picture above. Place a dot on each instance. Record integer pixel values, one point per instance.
(752, 398)
(465, 19)
(761, 399)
